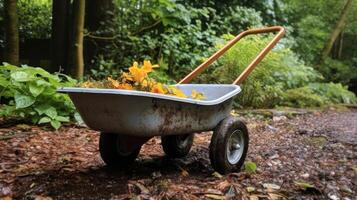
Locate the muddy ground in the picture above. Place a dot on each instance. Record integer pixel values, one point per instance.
(299, 155)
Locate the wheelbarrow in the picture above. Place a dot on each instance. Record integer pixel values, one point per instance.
(127, 119)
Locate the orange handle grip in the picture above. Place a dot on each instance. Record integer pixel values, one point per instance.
(252, 65)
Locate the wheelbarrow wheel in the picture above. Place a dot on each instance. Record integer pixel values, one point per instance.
(177, 146)
(229, 145)
(112, 153)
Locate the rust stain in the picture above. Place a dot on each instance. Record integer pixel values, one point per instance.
(181, 118)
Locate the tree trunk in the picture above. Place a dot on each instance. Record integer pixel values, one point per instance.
(60, 10)
(337, 30)
(98, 19)
(340, 46)
(97, 13)
(11, 32)
(78, 61)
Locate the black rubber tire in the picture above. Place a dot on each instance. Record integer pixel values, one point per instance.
(219, 142)
(177, 146)
(110, 154)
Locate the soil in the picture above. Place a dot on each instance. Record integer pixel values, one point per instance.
(300, 155)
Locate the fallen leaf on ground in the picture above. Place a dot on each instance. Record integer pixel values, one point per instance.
(215, 197)
(271, 186)
(250, 167)
(217, 175)
(223, 185)
(43, 198)
(354, 169)
(250, 189)
(253, 197)
(232, 192)
(303, 185)
(274, 196)
(142, 188)
(23, 127)
(213, 191)
(183, 172)
(307, 187)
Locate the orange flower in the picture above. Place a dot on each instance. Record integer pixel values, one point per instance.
(137, 78)
(157, 88)
(148, 83)
(127, 77)
(115, 83)
(137, 73)
(125, 86)
(147, 67)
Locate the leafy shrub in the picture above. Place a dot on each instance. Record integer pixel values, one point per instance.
(280, 70)
(280, 79)
(338, 71)
(30, 93)
(302, 97)
(237, 19)
(334, 93)
(162, 31)
(311, 38)
(318, 94)
(177, 35)
(161, 75)
(35, 18)
(105, 68)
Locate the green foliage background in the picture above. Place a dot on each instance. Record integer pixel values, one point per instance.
(281, 79)
(179, 35)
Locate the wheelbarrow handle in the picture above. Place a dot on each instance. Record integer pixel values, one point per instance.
(252, 65)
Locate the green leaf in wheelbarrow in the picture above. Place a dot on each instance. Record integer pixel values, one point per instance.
(23, 101)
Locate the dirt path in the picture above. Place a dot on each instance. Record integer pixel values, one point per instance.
(318, 148)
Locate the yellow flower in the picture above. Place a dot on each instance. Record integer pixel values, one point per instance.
(137, 73)
(197, 95)
(176, 92)
(135, 64)
(125, 86)
(137, 78)
(157, 88)
(127, 77)
(87, 84)
(148, 66)
(115, 83)
(144, 83)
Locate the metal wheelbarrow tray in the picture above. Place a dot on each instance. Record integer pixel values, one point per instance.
(127, 119)
(147, 114)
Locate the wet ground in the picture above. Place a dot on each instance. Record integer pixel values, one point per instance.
(298, 156)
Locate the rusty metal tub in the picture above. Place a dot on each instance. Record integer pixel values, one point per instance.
(137, 113)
